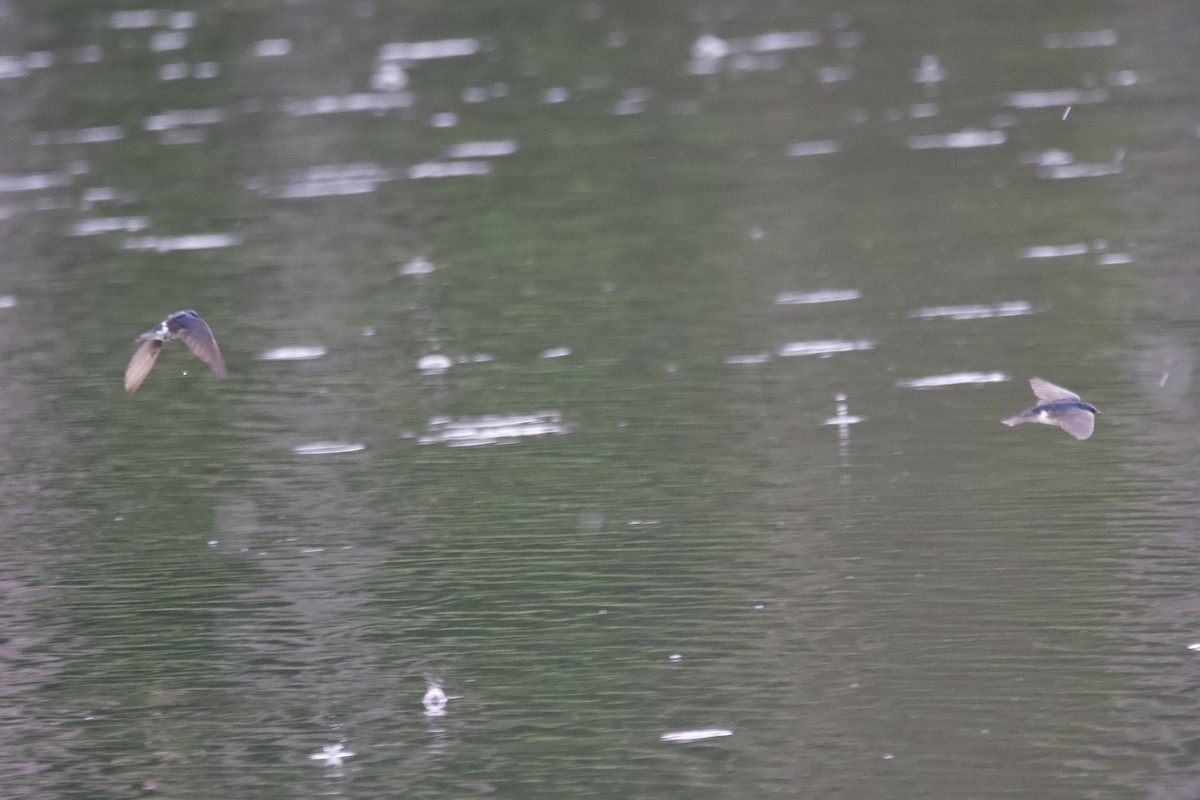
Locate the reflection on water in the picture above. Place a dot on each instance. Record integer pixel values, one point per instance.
(952, 379)
(1011, 308)
(626, 224)
(492, 428)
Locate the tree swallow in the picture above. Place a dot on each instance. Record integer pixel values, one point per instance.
(1058, 406)
(185, 325)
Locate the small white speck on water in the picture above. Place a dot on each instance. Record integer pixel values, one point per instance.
(675, 658)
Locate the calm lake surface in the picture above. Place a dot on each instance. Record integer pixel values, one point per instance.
(613, 400)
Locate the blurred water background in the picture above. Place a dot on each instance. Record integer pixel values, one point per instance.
(617, 369)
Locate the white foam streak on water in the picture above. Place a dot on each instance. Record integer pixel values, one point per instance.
(753, 54)
(930, 71)
(327, 448)
(178, 119)
(503, 147)
(957, 141)
(822, 296)
(272, 48)
(89, 54)
(168, 244)
(418, 266)
(632, 101)
(35, 182)
(389, 77)
(1056, 97)
(1055, 250)
(434, 364)
(437, 363)
(815, 148)
(834, 74)
(1049, 158)
(164, 41)
(106, 133)
(421, 51)
(340, 104)
(824, 348)
(304, 191)
(126, 20)
(293, 353)
(183, 136)
(1103, 38)
(709, 47)
(781, 40)
(492, 428)
(1012, 308)
(695, 734)
(751, 358)
(448, 169)
(953, 379)
(326, 181)
(12, 67)
(91, 227)
(100, 194)
(1069, 171)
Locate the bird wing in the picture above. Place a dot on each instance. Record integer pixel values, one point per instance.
(1077, 422)
(200, 340)
(141, 363)
(1047, 391)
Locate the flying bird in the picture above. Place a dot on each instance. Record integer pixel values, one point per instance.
(1058, 406)
(185, 325)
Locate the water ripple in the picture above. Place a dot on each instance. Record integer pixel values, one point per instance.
(492, 428)
(824, 348)
(952, 379)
